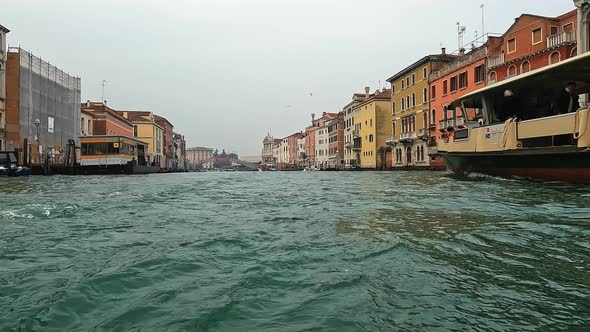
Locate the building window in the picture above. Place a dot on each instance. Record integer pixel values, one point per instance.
(525, 67)
(512, 71)
(511, 45)
(463, 80)
(393, 107)
(371, 138)
(433, 116)
(413, 79)
(407, 101)
(537, 36)
(134, 131)
(555, 57)
(408, 81)
(50, 124)
(453, 83)
(425, 96)
(413, 100)
(371, 123)
(554, 30)
(403, 104)
(403, 84)
(392, 88)
(424, 72)
(568, 27)
(433, 92)
(393, 128)
(479, 74)
(493, 77)
(445, 88)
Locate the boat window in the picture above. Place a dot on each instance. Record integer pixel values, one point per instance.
(473, 109)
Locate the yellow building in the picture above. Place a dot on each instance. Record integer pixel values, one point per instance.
(372, 127)
(410, 105)
(147, 130)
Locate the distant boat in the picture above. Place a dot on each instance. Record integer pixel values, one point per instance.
(9, 165)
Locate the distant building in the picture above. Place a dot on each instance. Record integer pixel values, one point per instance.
(147, 130)
(179, 151)
(104, 121)
(310, 133)
(200, 157)
(167, 141)
(268, 153)
(293, 149)
(301, 158)
(336, 141)
(350, 156)
(3, 32)
(37, 91)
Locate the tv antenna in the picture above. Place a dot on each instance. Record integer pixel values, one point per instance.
(102, 96)
(460, 33)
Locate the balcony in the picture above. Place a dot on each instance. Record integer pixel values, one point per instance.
(561, 38)
(348, 145)
(460, 122)
(422, 133)
(355, 133)
(442, 125)
(356, 148)
(496, 60)
(407, 137)
(391, 140)
(451, 123)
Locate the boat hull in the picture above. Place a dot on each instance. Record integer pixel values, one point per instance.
(567, 165)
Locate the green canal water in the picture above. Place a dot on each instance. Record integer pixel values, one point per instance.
(414, 251)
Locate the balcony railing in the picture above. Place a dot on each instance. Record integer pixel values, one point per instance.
(391, 140)
(422, 133)
(496, 60)
(442, 125)
(561, 38)
(407, 136)
(451, 123)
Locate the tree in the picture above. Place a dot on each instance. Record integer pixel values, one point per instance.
(223, 154)
(216, 153)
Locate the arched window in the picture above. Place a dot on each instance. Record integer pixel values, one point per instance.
(433, 116)
(403, 104)
(408, 101)
(425, 95)
(512, 71)
(574, 52)
(555, 57)
(525, 67)
(493, 77)
(393, 107)
(413, 100)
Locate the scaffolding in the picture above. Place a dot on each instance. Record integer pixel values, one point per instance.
(52, 96)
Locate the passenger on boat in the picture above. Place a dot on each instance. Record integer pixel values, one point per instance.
(566, 101)
(510, 106)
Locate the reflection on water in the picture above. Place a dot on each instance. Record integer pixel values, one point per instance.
(293, 251)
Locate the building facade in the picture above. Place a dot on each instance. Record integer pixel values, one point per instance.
(310, 133)
(147, 130)
(372, 127)
(86, 123)
(293, 146)
(267, 156)
(350, 155)
(180, 152)
(42, 111)
(199, 157)
(3, 32)
(301, 151)
(530, 43)
(336, 142)
(105, 120)
(467, 73)
(410, 106)
(321, 146)
(167, 141)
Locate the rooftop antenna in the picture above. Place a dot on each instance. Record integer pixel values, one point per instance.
(102, 96)
(483, 26)
(460, 32)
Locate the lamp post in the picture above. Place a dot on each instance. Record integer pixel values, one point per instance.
(37, 124)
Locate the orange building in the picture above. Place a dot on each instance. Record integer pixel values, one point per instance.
(530, 43)
(465, 74)
(106, 121)
(310, 135)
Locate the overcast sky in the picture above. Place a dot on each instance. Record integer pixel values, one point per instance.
(222, 71)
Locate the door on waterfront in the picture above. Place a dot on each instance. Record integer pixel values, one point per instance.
(409, 155)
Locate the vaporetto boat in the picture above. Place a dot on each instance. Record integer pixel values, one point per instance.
(514, 128)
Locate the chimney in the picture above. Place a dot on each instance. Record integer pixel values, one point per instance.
(312, 117)
(87, 103)
(443, 51)
(367, 92)
(462, 52)
(126, 115)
